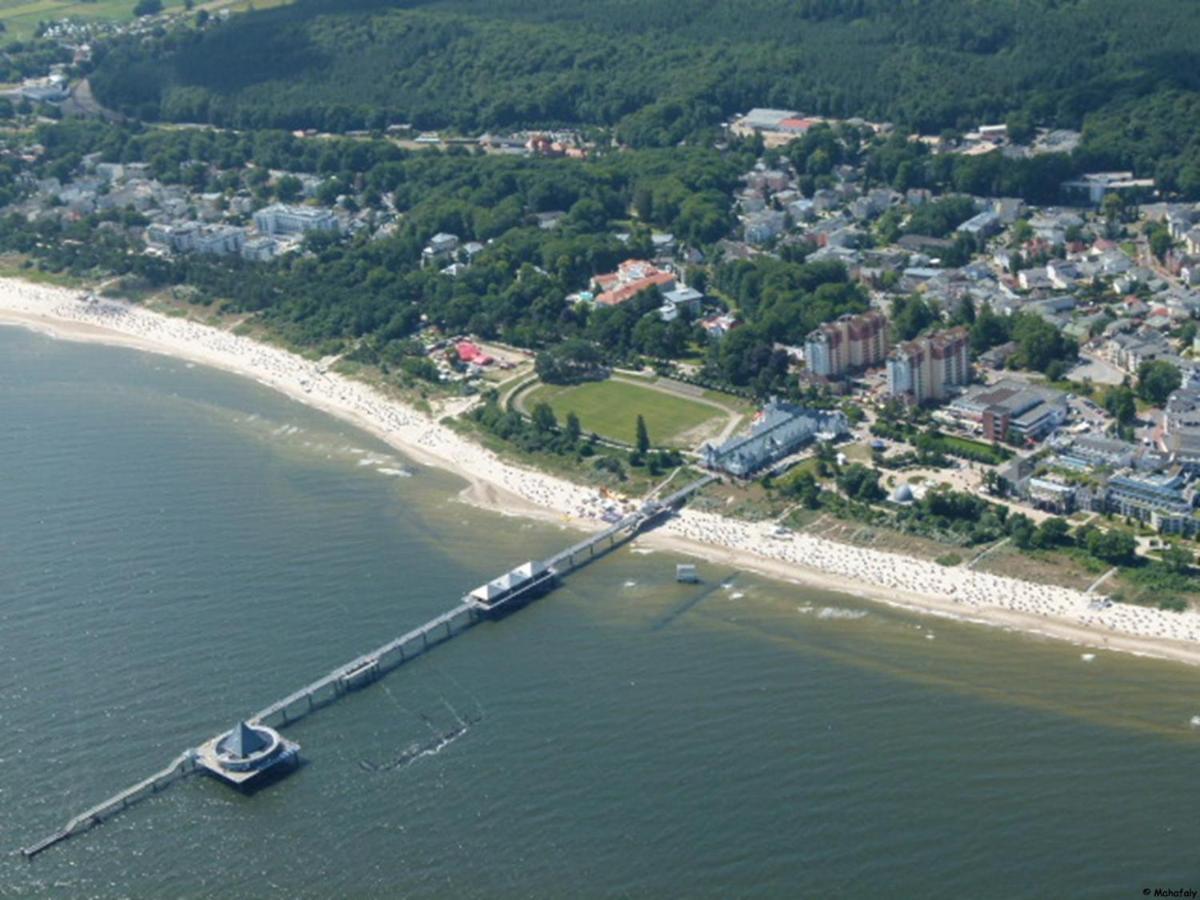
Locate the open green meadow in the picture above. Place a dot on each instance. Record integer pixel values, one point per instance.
(610, 409)
(21, 17)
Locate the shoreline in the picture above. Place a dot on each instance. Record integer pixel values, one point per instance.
(904, 582)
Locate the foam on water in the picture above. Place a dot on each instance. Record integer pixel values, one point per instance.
(838, 612)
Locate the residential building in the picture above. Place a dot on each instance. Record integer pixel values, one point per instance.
(981, 226)
(1051, 494)
(1090, 451)
(192, 237)
(441, 246)
(929, 367)
(1129, 351)
(260, 249)
(1094, 186)
(779, 430)
(850, 342)
(764, 226)
(631, 278)
(1181, 428)
(683, 300)
(1164, 501)
(281, 219)
(720, 325)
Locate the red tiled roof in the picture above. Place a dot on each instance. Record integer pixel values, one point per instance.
(625, 292)
(472, 353)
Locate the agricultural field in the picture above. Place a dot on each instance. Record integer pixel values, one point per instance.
(610, 408)
(21, 17)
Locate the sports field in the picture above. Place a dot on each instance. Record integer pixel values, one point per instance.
(610, 408)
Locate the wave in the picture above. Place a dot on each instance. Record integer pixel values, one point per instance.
(838, 612)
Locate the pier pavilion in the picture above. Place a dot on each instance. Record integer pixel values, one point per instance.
(246, 752)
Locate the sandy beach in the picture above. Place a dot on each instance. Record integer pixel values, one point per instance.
(914, 584)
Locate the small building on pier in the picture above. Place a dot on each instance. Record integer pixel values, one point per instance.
(521, 582)
(246, 753)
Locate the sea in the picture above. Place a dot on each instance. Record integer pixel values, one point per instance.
(180, 547)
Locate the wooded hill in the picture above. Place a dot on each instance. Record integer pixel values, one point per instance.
(662, 71)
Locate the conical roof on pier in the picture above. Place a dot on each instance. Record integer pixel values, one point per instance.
(245, 741)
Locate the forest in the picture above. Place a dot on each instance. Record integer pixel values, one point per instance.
(662, 73)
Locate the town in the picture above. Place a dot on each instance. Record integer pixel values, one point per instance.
(1041, 357)
(781, 418)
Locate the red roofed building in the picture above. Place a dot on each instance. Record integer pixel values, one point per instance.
(797, 126)
(631, 278)
(472, 353)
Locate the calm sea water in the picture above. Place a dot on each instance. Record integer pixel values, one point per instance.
(178, 548)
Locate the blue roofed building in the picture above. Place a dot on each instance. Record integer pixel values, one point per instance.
(1164, 501)
(779, 430)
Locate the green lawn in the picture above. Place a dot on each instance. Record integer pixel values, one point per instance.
(20, 17)
(610, 408)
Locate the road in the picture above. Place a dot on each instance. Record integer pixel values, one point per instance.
(83, 104)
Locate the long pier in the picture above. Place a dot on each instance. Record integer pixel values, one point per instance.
(496, 598)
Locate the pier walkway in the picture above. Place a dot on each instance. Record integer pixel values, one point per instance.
(516, 587)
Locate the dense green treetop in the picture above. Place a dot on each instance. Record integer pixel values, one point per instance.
(662, 72)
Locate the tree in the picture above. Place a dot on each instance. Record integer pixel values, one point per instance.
(1116, 547)
(1160, 241)
(858, 482)
(1021, 529)
(573, 428)
(1020, 127)
(911, 316)
(989, 329)
(1178, 559)
(571, 361)
(288, 188)
(643, 436)
(1051, 533)
(1119, 403)
(543, 418)
(805, 489)
(147, 8)
(1022, 232)
(1057, 370)
(1113, 206)
(1157, 379)
(1039, 343)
